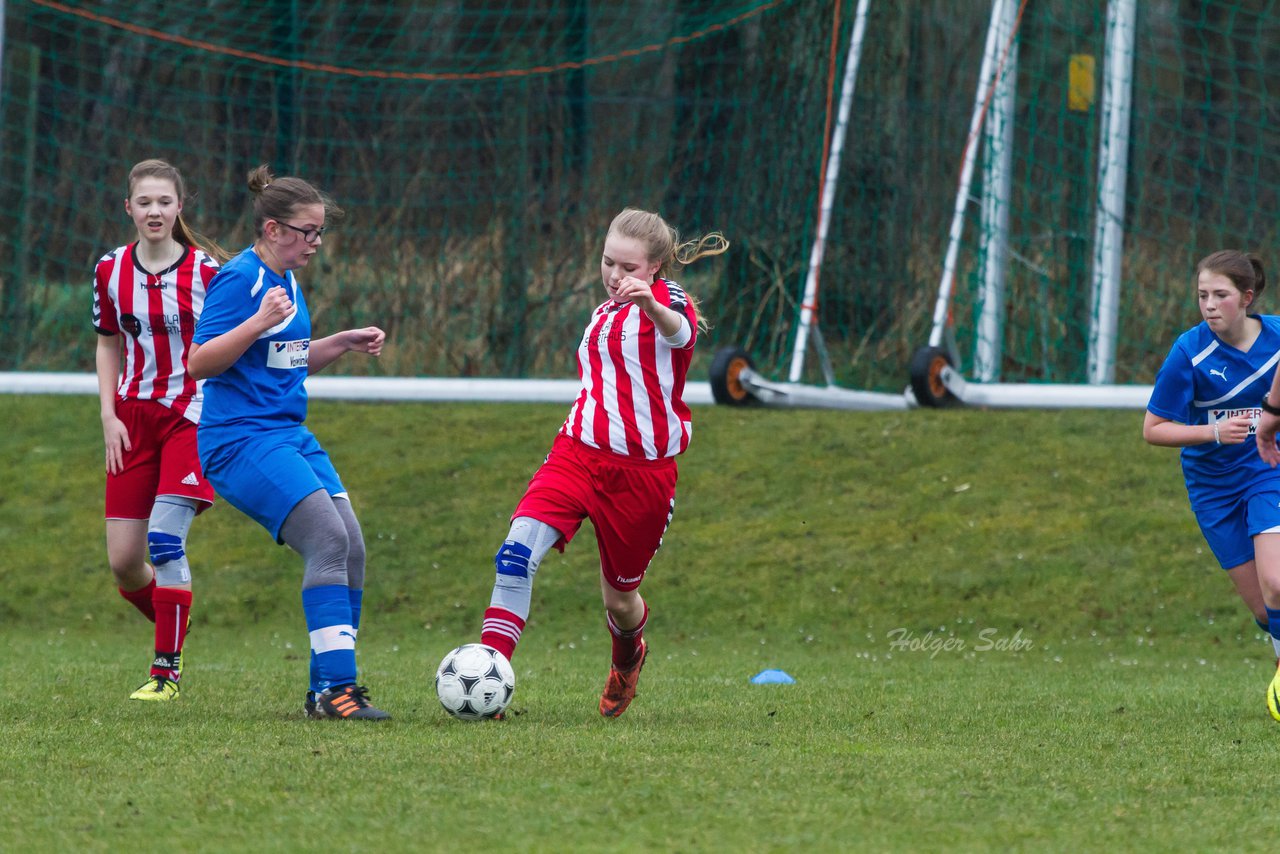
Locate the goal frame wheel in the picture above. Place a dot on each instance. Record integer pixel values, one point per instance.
(727, 387)
(927, 366)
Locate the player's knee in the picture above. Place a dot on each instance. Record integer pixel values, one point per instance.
(624, 605)
(164, 547)
(322, 540)
(518, 558)
(167, 539)
(128, 571)
(169, 557)
(328, 565)
(514, 563)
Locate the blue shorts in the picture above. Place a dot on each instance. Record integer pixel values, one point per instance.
(1230, 525)
(267, 475)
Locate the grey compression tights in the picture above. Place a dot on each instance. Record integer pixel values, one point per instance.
(324, 530)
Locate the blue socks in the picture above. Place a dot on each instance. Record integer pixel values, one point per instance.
(332, 626)
(1273, 629)
(356, 597)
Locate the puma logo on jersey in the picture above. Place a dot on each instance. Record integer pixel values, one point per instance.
(191, 479)
(1218, 373)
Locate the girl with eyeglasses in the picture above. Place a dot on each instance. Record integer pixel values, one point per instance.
(253, 344)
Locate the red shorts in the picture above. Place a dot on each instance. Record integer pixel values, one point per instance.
(629, 502)
(163, 461)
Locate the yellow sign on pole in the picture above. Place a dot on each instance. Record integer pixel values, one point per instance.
(1080, 82)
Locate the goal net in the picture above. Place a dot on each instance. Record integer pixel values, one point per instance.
(480, 149)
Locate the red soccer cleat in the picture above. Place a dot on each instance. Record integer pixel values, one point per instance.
(620, 690)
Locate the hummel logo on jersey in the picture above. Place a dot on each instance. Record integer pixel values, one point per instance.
(1219, 373)
(191, 479)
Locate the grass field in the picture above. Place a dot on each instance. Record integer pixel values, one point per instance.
(1004, 628)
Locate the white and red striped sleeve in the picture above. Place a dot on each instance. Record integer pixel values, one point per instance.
(105, 320)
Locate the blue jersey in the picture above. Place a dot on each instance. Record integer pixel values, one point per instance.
(1204, 380)
(265, 387)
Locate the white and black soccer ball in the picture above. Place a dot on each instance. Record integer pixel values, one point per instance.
(475, 682)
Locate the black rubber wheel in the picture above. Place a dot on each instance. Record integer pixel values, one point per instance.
(726, 383)
(926, 377)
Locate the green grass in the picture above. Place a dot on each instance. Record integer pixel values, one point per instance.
(1082, 676)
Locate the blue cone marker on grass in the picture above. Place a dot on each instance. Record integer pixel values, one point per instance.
(772, 677)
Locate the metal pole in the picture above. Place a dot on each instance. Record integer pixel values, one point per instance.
(1108, 238)
(985, 75)
(807, 304)
(1, 56)
(8, 305)
(996, 184)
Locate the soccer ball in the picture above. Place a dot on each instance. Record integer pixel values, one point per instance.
(475, 682)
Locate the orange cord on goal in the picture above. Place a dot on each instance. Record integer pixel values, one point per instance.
(326, 68)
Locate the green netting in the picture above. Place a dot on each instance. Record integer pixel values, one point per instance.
(1203, 174)
(480, 148)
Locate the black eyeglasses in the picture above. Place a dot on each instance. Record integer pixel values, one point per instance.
(310, 235)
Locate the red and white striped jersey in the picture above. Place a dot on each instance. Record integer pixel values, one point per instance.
(633, 381)
(157, 315)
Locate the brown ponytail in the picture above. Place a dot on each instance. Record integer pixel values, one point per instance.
(278, 198)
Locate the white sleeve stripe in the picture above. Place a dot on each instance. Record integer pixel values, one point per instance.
(1203, 354)
(280, 327)
(1270, 363)
(257, 286)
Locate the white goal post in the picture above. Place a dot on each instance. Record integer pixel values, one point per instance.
(934, 379)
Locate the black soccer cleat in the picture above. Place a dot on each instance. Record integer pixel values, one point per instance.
(349, 702)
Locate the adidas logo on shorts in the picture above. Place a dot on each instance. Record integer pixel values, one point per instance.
(191, 479)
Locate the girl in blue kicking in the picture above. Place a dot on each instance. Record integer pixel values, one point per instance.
(1206, 400)
(253, 347)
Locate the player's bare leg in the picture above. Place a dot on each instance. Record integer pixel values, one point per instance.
(127, 557)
